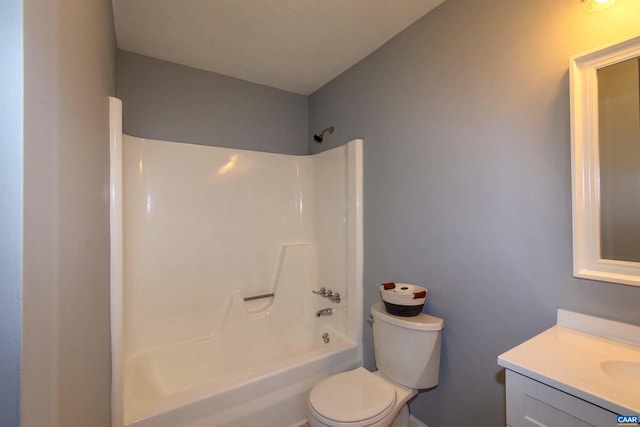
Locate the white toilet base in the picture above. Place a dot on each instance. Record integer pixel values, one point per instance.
(401, 420)
(399, 417)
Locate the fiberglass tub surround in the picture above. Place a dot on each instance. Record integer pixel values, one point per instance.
(207, 229)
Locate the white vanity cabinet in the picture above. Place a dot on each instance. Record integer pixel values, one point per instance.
(581, 372)
(533, 404)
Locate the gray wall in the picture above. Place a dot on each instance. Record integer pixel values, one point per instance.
(10, 209)
(162, 100)
(69, 58)
(465, 120)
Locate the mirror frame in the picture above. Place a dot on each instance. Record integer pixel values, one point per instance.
(585, 165)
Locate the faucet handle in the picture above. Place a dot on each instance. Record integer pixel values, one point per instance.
(322, 291)
(328, 293)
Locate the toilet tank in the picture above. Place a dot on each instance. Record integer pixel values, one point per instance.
(407, 349)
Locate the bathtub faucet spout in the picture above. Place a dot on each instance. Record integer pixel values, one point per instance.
(324, 312)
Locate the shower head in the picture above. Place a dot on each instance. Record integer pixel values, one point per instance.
(319, 136)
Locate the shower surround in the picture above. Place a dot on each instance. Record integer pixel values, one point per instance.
(197, 232)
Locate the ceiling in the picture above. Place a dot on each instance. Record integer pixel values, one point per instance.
(294, 45)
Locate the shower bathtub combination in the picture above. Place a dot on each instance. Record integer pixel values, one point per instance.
(217, 257)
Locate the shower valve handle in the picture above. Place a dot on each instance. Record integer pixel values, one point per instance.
(323, 291)
(335, 297)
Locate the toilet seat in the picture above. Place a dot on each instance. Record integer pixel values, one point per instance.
(354, 398)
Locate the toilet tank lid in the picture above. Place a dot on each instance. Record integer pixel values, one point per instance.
(421, 322)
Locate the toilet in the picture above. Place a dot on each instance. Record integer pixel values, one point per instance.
(407, 354)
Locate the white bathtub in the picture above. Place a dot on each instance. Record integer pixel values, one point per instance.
(182, 387)
(187, 348)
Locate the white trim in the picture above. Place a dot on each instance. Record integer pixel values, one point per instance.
(117, 263)
(355, 240)
(585, 175)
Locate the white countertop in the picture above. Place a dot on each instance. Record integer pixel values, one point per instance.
(569, 358)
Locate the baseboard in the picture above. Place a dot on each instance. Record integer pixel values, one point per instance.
(414, 422)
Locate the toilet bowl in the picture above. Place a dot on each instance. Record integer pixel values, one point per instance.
(358, 398)
(407, 352)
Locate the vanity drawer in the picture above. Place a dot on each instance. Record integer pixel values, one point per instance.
(533, 404)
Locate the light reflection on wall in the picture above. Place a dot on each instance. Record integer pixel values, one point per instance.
(229, 165)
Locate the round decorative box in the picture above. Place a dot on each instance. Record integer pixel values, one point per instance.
(403, 299)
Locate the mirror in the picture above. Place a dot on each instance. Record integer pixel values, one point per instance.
(619, 152)
(605, 155)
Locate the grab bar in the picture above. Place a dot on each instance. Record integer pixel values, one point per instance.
(259, 297)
